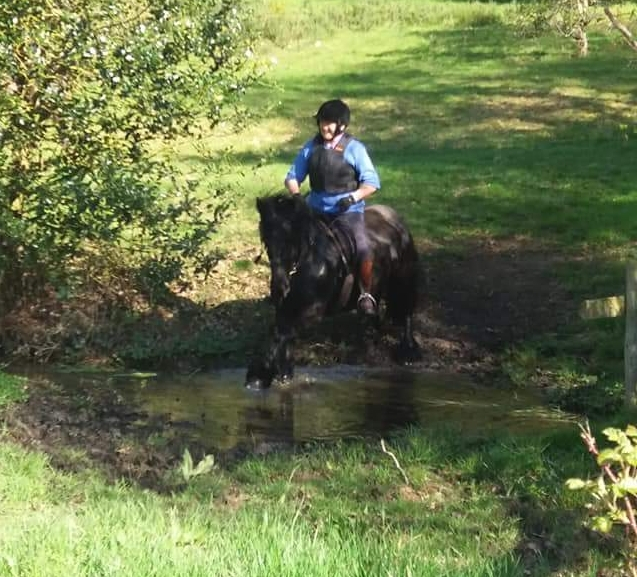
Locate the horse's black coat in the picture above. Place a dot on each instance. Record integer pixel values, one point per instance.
(310, 263)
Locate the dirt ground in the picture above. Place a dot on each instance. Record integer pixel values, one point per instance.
(474, 302)
(490, 296)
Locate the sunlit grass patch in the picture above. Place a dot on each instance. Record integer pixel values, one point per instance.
(12, 388)
(286, 21)
(444, 504)
(291, 528)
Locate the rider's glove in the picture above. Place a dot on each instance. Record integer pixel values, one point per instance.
(344, 203)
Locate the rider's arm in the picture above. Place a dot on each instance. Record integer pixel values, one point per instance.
(369, 181)
(363, 191)
(299, 169)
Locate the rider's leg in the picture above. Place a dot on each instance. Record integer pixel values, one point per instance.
(366, 302)
(356, 223)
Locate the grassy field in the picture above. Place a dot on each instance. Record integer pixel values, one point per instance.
(477, 134)
(477, 506)
(476, 131)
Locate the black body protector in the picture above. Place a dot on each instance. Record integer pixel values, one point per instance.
(328, 170)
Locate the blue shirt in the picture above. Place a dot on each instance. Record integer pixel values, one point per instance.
(355, 155)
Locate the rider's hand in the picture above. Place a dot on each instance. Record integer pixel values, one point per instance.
(344, 203)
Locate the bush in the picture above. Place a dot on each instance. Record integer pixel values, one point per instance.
(87, 88)
(614, 492)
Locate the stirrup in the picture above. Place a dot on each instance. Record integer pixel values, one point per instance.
(369, 298)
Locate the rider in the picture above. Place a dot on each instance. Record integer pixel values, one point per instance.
(341, 176)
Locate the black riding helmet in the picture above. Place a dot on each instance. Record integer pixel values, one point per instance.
(333, 111)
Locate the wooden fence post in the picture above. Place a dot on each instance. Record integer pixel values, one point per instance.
(630, 343)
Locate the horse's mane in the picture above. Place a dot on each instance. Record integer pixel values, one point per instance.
(288, 212)
(289, 226)
(283, 206)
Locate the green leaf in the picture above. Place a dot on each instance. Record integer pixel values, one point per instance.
(626, 485)
(602, 524)
(576, 484)
(612, 434)
(204, 466)
(630, 456)
(609, 456)
(188, 470)
(620, 516)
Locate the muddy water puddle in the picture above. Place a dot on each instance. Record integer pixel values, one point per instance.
(323, 404)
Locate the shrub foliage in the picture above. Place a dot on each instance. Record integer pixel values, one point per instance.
(86, 87)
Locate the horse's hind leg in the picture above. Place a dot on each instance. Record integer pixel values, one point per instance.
(408, 350)
(402, 297)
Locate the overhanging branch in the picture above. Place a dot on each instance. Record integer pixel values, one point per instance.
(623, 30)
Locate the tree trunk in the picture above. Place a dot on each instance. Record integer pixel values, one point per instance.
(581, 38)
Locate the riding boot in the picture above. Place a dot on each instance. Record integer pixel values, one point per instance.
(366, 302)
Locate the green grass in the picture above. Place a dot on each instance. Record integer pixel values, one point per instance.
(286, 22)
(12, 389)
(343, 509)
(475, 131)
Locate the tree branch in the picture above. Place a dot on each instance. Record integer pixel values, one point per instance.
(623, 30)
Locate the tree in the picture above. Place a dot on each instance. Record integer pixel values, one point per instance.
(86, 86)
(573, 18)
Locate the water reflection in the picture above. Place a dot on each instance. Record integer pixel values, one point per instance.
(326, 404)
(337, 403)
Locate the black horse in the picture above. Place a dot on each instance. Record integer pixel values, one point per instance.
(313, 275)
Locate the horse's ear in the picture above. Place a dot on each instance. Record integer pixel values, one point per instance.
(260, 204)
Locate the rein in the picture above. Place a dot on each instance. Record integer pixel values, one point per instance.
(348, 281)
(337, 242)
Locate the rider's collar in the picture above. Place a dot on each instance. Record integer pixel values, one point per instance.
(334, 142)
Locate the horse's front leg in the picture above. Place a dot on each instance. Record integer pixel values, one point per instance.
(408, 349)
(276, 364)
(299, 308)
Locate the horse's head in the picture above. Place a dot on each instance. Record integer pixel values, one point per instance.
(282, 227)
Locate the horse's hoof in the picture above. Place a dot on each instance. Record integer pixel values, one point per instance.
(284, 380)
(258, 376)
(257, 380)
(257, 384)
(366, 305)
(407, 355)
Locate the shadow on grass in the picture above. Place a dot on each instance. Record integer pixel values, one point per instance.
(475, 131)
